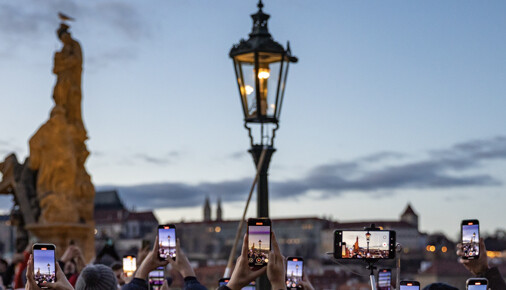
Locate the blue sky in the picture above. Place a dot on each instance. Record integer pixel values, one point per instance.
(391, 102)
(42, 259)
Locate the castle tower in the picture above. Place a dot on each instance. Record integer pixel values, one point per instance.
(219, 212)
(207, 210)
(409, 216)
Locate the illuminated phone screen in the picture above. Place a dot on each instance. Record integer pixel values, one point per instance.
(404, 287)
(365, 244)
(129, 265)
(477, 287)
(167, 242)
(384, 279)
(259, 245)
(156, 277)
(44, 266)
(471, 240)
(294, 270)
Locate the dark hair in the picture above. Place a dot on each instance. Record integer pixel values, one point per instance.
(116, 266)
(439, 286)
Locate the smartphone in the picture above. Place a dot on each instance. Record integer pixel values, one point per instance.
(223, 282)
(129, 265)
(167, 242)
(373, 244)
(259, 241)
(384, 279)
(470, 232)
(477, 284)
(294, 272)
(155, 278)
(44, 264)
(410, 285)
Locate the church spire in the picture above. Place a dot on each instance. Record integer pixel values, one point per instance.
(219, 212)
(207, 210)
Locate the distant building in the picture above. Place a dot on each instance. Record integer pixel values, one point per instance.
(114, 221)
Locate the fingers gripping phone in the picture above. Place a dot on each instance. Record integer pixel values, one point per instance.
(477, 284)
(129, 265)
(410, 285)
(167, 242)
(470, 232)
(44, 264)
(259, 241)
(294, 272)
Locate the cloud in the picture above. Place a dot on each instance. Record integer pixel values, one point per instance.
(26, 24)
(441, 169)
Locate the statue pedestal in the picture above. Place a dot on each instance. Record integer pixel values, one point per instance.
(60, 234)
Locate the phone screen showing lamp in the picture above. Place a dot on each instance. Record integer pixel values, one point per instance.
(44, 270)
(259, 242)
(167, 242)
(294, 270)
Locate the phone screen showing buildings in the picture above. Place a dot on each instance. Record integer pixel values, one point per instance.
(259, 245)
(294, 270)
(365, 244)
(471, 240)
(129, 265)
(43, 266)
(156, 278)
(167, 242)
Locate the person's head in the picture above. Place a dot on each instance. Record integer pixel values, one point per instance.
(439, 286)
(117, 268)
(96, 277)
(69, 268)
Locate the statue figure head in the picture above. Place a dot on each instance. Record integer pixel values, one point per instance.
(63, 33)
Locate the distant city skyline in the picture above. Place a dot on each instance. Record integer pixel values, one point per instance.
(391, 102)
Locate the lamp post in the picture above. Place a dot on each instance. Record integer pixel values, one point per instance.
(261, 69)
(368, 238)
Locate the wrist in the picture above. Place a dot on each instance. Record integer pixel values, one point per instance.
(188, 273)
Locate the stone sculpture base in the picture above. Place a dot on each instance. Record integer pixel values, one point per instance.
(60, 234)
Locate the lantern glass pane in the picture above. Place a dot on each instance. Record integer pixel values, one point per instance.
(282, 84)
(247, 88)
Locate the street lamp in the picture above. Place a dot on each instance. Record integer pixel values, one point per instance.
(261, 69)
(368, 238)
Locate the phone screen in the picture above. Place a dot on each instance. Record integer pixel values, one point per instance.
(44, 264)
(155, 278)
(477, 287)
(471, 239)
(294, 270)
(406, 287)
(259, 243)
(384, 279)
(365, 244)
(167, 242)
(129, 265)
